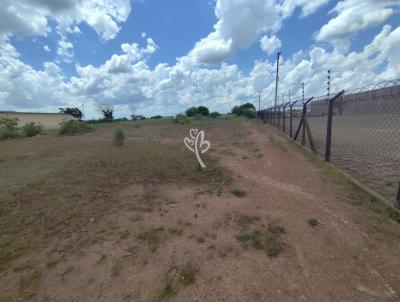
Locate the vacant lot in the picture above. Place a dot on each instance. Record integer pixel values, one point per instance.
(84, 220)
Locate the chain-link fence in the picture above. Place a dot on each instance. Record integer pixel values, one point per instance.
(358, 131)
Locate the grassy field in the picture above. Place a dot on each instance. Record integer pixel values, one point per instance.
(82, 219)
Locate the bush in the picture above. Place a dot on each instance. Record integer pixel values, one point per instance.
(8, 127)
(247, 110)
(190, 112)
(203, 110)
(214, 114)
(193, 111)
(181, 119)
(249, 113)
(31, 129)
(74, 127)
(119, 137)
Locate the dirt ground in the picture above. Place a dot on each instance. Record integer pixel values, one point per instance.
(279, 230)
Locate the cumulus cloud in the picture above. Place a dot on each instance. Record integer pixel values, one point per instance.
(307, 7)
(65, 50)
(355, 15)
(30, 17)
(270, 44)
(240, 24)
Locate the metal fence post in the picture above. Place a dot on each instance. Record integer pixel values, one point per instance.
(397, 202)
(303, 133)
(291, 118)
(328, 141)
(284, 119)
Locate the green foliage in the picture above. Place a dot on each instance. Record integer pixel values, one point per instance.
(214, 114)
(137, 117)
(249, 113)
(108, 113)
(31, 129)
(313, 222)
(188, 274)
(193, 111)
(156, 117)
(75, 112)
(119, 137)
(181, 119)
(74, 127)
(8, 127)
(203, 110)
(239, 193)
(247, 110)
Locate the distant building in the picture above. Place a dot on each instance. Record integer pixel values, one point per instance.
(46, 119)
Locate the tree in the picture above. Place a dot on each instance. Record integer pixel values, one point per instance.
(214, 114)
(108, 113)
(247, 109)
(203, 110)
(191, 111)
(75, 112)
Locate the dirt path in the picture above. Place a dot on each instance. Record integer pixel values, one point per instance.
(138, 251)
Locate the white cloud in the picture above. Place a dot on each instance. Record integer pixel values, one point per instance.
(239, 24)
(353, 16)
(46, 48)
(270, 44)
(65, 50)
(308, 7)
(30, 17)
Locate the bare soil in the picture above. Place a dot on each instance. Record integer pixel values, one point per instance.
(136, 247)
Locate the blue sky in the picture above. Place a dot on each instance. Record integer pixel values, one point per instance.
(160, 57)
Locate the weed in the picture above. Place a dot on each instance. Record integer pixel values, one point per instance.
(8, 127)
(168, 291)
(7, 255)
(274, 248)
(239, 193)
(119, 137)
(29, 283)
(31, 129)
(116, 269)
(74, 127)
(188, 274)
(276, 229)
(264, 240)
(52, 263)
(200, 239)
(124, 234)
(152, 238)
(313, 222)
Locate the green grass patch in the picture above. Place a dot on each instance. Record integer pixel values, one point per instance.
(188, 274)
(264, 239)
(239, 193)
(152, 238)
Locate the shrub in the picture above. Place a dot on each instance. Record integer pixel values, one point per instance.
(191, 111)
(31, 129)
(75, 112)
(8, 127)
(74, 127)
(214, 114)
(119, 137)
(249, 113)
(247, 110)
(203, 110)
(181, 119)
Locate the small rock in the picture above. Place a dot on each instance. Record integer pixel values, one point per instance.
(91, 220)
